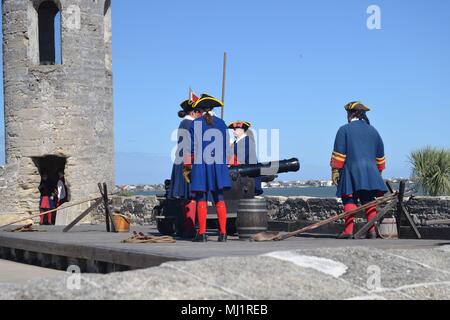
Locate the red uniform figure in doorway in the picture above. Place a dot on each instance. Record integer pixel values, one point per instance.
(47, 201)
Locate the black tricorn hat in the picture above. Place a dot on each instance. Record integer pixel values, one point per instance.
(240, 124)
(207, 102)
(356, 105)
(187, 105)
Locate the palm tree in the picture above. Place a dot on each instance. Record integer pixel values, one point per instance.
(431, 169)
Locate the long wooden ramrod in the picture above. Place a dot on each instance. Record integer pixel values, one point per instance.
(224, 82)
(51, 211)
(377, 202)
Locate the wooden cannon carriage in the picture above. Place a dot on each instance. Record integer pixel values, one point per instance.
(241, 198)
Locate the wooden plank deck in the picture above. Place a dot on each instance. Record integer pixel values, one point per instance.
(98, 251)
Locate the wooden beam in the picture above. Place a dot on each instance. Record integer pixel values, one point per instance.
(402, 211)
(410, 220)
(363, 231)
(108, 226)
(224, 82)
(82, 216)
(108, 212)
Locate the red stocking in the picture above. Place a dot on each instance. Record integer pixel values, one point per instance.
(42, 218)
(202, 213)
(371, 214)
(221, 209)
(49, 218)
(189, 216)
(349, 221)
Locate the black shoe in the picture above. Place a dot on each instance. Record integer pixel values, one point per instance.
(371, 235)
(343, 236)
(200, 238)
(222, 238)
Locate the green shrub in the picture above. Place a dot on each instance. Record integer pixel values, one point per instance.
(431, 169)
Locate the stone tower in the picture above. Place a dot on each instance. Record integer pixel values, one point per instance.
(58, 95)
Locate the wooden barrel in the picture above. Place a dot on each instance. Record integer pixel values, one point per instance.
(252, 217)
(122, 223)
(388, 228)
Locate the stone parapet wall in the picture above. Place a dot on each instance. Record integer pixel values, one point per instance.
(317, 209)
(140, 208)
(286, 208)
(302, 208)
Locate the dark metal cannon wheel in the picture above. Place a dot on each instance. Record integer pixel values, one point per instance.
(166, 226)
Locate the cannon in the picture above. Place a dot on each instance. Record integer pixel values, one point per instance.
(268, 169)
(169, 213)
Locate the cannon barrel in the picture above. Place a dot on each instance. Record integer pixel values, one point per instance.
(266, 169)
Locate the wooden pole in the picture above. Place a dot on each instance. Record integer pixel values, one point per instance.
(108, 212)
(402, 211)
(83, 215)
(224, 80)
(344, 215)
(110, 225)
(51, 211)
(106, 205)
(363, 231)
(272, 236)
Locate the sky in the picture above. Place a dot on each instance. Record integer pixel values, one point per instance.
(292, 66)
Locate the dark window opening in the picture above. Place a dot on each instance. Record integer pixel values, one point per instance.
(107, 17)
(49, 17)
(52, 167)
(107, 7)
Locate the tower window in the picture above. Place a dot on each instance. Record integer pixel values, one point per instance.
(49, 17)
(108, 35)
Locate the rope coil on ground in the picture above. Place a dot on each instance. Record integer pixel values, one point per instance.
(27, 228)
(142, 238)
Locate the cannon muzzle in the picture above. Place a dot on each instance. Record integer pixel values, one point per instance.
(266, 169)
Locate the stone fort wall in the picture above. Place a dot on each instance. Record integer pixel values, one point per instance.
(284, 209)
(63, 110)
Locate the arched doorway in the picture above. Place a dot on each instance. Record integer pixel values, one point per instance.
(52, 166)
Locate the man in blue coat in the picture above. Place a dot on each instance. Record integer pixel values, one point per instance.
(179, 187)
(357, 163)
(206, 167)
(244, 149)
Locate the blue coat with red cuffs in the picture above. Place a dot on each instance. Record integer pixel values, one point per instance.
(359, 155)
(179, 188)
(209, 158)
